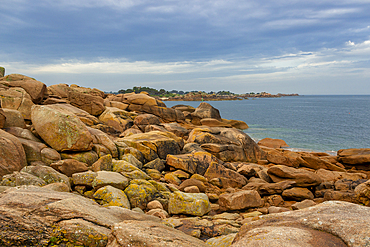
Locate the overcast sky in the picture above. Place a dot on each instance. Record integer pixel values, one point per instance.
(286, 46)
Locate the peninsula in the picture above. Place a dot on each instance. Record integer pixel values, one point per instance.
(175, 95)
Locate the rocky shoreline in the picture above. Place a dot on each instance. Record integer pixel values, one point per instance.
(79, 167)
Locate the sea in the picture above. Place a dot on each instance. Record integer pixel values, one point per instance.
(319, 123)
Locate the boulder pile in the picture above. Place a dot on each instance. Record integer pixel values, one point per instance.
(79, 167)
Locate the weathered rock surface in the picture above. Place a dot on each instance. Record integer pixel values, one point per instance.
(136, 234)
(359, 158)
(273, 143)
(38, 152)
(111, 196)
(303, 178)
(90, 100)
(2, 118)
(205, 110)
(33, 216)
(60, 129)
(326, 175)
(228, 144)
(160, 143)
(34, 88)
(84, 116)
(240, 200)
(363, 193)
(226, 177)
(118, 119)
(327, 224)
(16, 98)
(12, 155)
(69, 166)
(189, 203)
(13, 119)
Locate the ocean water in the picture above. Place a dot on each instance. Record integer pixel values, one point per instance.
(313, 123)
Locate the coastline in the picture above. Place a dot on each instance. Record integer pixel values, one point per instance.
(121, 167)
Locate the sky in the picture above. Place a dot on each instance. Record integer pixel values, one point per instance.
(275, 46)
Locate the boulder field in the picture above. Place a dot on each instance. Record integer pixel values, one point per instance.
(79, 167)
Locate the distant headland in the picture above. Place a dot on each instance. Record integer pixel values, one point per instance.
(175, 95)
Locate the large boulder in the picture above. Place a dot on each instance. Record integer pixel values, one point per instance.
(227, 177)
(363, 193)
(34, 88)
(228, 144)
(176, 128)
(60, 129)
(34, 216)
(12, 155)
(134, 233)
(302, 177)
(69, 167)
(359, 158)
(330, 223)
(205, 110)
(13, 118)
(273, 143)
(84, 116)
(195, 162)
(316, 163)
(166, 114)
(90, 100)
(118, 119)
(102, 140)
(48, 174)
(38, 152)
(16, 98)
(111, 196)
(240, 200)
(90, 103)
(284, 157)
(140, 192)
(333, 176)
(161, 143)
(146, 119)
(189, 203)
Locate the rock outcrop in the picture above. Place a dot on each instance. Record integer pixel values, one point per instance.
(327, 224)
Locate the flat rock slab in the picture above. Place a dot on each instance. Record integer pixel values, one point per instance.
(137, 234)
(332, 223)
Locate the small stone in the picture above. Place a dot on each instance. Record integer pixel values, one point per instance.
(195, 233)
(110, 196)
(172, 178)
(189, 203)
(138, 210)
(154, 205)
(181, 174)
(160, 213)
(191, 189)
(199, 177)
(251, 214)
(303, 204)
(154, 174)
(274, 210)
(213, 197)
(226, 216)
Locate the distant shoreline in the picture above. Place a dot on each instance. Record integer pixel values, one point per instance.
(198, 97)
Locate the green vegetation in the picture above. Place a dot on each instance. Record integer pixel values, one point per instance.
(172, 93)
(177, 95)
